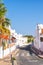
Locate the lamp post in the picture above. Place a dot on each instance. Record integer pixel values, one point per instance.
(12, 58)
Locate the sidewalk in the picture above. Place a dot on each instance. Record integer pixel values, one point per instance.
(39, 53)
(6, 60)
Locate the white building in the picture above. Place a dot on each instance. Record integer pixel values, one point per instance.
(39, 37)
(20, 40)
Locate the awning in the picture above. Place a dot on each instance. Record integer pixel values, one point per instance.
(4, 36)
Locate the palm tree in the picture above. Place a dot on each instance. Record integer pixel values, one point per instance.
(4, 22)
(2, 13)
(5, 25)
(2, 9)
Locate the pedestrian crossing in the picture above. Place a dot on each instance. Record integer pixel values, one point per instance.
(17, 54)
(23, 54)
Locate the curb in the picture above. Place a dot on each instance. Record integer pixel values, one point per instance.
(40, 56)
(16, 51)
(8, 58)
(13, 53)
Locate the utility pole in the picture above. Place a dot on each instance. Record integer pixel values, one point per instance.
(12, 60)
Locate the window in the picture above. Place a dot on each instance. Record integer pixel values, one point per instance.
(41, 39)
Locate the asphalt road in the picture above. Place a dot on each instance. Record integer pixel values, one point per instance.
(24, 58)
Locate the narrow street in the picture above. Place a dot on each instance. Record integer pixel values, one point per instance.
(24, 58)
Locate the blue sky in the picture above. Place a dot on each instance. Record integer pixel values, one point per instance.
(24, 15)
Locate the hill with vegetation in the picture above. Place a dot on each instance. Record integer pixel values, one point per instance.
(30, 38)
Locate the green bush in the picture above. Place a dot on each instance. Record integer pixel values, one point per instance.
(13, 58)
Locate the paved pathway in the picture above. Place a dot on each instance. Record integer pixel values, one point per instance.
(7, 60)
(24, 58)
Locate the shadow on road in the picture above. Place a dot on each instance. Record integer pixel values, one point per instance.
(27, 48)
(32, 50)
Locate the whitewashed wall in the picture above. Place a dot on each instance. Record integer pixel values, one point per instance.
(1, 52)
(7, 51)
(13, 48)
(37, 39)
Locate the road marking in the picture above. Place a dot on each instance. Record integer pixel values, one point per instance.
(22, 54)
(17, 54)
(27, 54)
